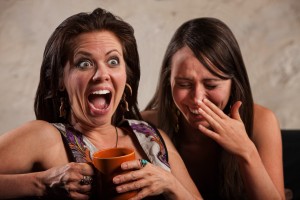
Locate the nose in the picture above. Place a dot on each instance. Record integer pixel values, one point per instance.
(101, 73)
(198, 94)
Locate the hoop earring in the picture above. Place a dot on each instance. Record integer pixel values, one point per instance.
(125, 106)
(129, 88)
(62, 108)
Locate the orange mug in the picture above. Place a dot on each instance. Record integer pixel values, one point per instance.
(108, 162)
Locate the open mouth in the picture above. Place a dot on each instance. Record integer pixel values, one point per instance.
(194, 111)
(100, 99)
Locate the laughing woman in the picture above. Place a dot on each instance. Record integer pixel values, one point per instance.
(230, 145)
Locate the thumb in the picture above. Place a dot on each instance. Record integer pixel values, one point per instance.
(234, 112)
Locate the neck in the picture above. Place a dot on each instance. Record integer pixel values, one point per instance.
(190, 134)
(105, 136)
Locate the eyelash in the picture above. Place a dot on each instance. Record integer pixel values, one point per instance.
(114, 58)
(187, 85)
(80, 62)
(210, 87)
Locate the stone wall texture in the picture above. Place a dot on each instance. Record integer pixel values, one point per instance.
(268, 32)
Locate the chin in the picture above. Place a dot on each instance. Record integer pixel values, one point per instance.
(203, 123)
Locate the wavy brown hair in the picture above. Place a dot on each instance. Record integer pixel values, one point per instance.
(58, 47)
(215, 46)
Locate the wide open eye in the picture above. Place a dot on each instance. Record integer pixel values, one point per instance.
(113, 61)
(84, 64)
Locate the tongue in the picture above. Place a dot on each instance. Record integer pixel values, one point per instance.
(99, 102)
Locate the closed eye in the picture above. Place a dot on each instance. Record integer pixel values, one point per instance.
(210, 87)
(184, 84)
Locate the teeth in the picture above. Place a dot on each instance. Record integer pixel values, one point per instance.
(195, 111)
(101, 92)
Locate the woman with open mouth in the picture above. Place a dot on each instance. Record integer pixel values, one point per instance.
(87, 101)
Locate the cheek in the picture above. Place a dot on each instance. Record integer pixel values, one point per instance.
(179, 96)
(74, 85)
(120, 81)
(220, 99)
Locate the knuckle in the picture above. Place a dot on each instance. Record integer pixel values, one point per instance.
(133, 175)
(136, 185)
(151, 190)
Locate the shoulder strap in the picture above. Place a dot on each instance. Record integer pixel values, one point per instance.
(151, 141)
(73, 139)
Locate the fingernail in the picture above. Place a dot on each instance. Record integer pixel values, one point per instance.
(124, 166)
(119, 189)
(116, 180)
(199, 101)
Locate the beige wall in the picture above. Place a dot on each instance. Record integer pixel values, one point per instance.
(268, 32)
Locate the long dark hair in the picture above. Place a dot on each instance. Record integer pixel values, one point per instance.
(58, 47)
(215, 46)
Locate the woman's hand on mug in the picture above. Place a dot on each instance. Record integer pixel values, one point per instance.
(73, 180)
(148, 179)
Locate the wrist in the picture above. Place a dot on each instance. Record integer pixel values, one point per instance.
(39, 184)
(248, 155)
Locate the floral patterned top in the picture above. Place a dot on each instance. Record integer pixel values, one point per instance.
(147, 135)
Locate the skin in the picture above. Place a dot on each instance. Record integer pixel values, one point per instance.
(96, 64)
(201, 97)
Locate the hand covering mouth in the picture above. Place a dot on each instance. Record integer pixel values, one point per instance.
(100, 99)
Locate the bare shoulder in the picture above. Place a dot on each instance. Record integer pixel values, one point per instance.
(150, 116)
(265, 123)
(263, 116)
(37, 129)
(170, 146)
(27, 144)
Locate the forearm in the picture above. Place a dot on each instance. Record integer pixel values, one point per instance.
(258, 183)
(21, 185)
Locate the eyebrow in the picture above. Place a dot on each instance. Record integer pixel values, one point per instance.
(190, 79)
(86, 53)
(113, 50)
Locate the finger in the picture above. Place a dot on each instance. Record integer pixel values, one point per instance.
(215, 109)
(86, 169)
(133, 164)
(77, 195)
(234, 112)
(213, 135)
(76, 186)
(212, 121)
(130, 176)
(136, 185)
(76, 171)
(144, 192)
(84, 189)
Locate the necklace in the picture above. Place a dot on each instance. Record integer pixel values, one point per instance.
(117, 137)
(92, 147)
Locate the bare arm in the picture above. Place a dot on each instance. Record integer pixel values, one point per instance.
(35, 146)
(184, 187)
(178, 167)
(263, 168)
(260, 160)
